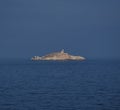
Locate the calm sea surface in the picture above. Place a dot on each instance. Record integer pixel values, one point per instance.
(67, 85)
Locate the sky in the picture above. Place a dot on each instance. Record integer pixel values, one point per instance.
(90, 28)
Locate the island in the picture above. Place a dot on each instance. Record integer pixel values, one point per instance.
(58, 56)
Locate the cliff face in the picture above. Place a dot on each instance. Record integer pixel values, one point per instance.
(58, 56)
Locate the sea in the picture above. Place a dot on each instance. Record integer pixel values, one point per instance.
(60, 85)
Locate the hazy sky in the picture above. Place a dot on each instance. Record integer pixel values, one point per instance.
(90, 28)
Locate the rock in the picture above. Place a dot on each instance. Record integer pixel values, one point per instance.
(58, 56)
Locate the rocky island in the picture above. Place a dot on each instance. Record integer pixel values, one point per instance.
(58, 56)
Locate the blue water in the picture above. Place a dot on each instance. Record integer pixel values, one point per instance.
(69, 85)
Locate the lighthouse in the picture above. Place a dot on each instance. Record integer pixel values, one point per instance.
(62, 51)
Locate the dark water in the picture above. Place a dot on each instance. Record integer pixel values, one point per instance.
(88, 85)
